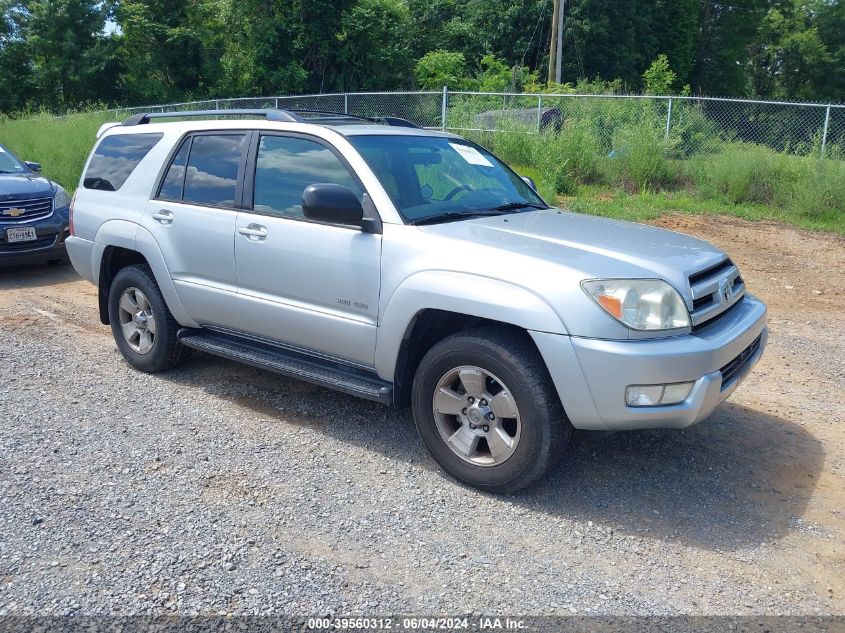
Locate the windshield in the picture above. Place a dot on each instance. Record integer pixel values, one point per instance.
(432, 177)
(9, 164)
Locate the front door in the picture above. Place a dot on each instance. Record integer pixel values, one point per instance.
(310, 285)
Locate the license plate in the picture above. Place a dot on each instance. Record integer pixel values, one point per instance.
(21, 234)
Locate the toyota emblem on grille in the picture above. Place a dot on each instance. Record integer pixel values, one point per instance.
(726, 293)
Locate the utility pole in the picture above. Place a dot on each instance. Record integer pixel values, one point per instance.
(559, 49)
(553, 42)
(556, 42)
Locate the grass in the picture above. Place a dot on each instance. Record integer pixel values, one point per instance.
(642, 182)
(613, 162)
(643, 206)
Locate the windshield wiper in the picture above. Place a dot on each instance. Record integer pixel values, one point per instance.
(450, 216)
(512, 206)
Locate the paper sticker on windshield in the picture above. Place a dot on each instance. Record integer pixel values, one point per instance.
(471, 155)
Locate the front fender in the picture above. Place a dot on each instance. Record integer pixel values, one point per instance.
(461, 293)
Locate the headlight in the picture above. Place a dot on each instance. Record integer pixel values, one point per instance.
(60, 197)
(641, 304)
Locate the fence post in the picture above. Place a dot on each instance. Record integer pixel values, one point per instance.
(668, 122)
(539, 113)
(824, 133)
(443, 108)
(346, 103)
(217, 104)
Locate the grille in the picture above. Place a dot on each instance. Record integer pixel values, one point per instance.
(31, 209)
(734, 367)
(715, 290)
(41, 242)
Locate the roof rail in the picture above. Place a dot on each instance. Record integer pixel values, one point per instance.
(289, 116)
(328, 114)
(271, 115)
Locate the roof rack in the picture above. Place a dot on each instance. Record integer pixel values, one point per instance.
(329, 115)
(272, 115)
(288, 116)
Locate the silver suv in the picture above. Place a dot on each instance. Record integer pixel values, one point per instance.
(406, 266)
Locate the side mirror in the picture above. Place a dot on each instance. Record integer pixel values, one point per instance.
(335, 204)
(33, 166)
(530, 182)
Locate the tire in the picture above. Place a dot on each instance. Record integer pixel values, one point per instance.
(161, 350)
(504, 362)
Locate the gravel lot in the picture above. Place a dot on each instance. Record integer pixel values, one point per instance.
(217, 488)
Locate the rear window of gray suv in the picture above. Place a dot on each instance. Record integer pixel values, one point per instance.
(115, 158)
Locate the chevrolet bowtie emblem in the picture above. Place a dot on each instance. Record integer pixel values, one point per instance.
(14, 212)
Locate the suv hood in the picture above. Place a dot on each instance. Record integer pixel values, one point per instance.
(599, 247)
(23, 186)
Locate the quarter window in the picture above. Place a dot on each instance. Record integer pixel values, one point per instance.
(115, 158)
(285, 166)
(174, 180)
(212, 173)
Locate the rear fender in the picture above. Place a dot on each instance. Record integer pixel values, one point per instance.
(146, 245)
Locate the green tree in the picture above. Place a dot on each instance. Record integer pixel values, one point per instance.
(609, 39)
(441, 68)
(167, 49)
(16, 66)
(659, 78)
(441, 25)
(74, 62)
(374, 51)
(790, 58)
(727, 33)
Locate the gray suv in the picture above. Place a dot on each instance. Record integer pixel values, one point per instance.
(406, 266)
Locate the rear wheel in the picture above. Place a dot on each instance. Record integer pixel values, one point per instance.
(486, 409)
(141, 323)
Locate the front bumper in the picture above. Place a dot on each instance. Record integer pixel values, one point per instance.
(49, 245)
(591, 375)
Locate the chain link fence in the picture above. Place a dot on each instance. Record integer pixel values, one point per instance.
(687, 125)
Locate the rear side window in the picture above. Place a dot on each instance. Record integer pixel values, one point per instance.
(174, 180)
(115, 158)
(211, 177)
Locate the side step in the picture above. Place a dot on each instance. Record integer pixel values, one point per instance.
(334, 375)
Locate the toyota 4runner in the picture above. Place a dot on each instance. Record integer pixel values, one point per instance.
(406, 266)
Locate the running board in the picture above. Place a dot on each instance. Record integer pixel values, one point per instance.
(326, 373)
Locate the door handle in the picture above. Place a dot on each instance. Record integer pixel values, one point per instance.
(254, 232)
(163, 217)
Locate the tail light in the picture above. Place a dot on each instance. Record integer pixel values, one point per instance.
(70, 214)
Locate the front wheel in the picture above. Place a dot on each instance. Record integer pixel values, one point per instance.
(141, 323)
(486, 409)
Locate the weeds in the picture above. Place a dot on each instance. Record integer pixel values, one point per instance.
(611, 158)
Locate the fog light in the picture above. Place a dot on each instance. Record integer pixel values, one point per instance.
(657, 395)
(643, 395)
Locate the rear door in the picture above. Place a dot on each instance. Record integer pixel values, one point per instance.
(311, 285)
(192, 218)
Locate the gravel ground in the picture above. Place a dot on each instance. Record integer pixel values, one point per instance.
(217, 488)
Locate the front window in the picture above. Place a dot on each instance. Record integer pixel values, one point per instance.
(432, 177)
(9, 164)
(286, 165)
